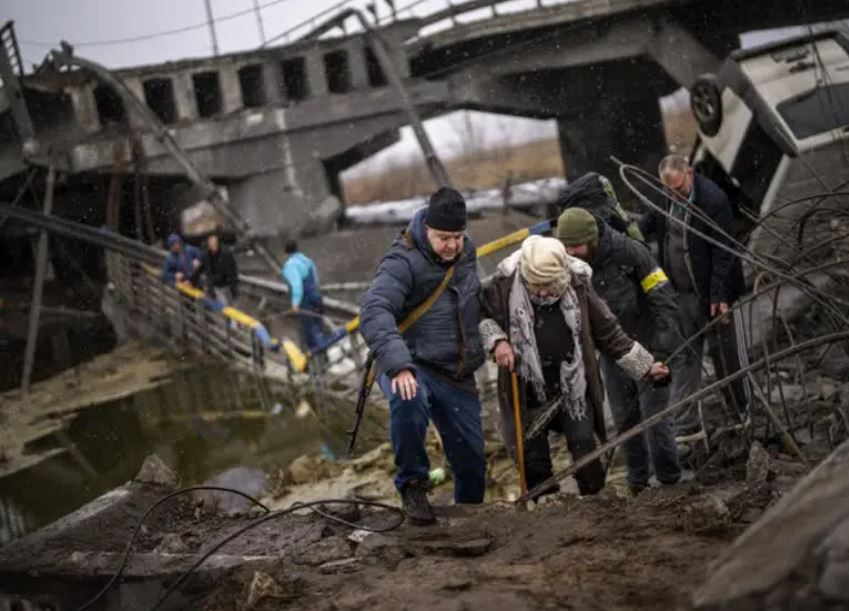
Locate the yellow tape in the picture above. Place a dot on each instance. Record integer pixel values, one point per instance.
(188, 290)
(296, 357)
(658, 276)
(503, 242)
(240, 317)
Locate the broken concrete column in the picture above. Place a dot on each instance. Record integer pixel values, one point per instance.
(630, 129)
(272, 78)
(316, 73)
(796, 556)
(357, 63)
(184, 97)
(137, 89)
(85, 107)
(231, 91)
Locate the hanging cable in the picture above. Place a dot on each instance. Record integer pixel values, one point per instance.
(160, 34)
(814, 292)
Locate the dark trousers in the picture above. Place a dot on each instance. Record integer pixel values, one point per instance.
(456, 415)
(580, 438)
(727, 350)
(312, 329)
(630, 403)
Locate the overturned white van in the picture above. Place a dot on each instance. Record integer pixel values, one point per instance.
(774, 123)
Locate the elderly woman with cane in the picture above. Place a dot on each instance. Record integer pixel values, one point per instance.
(542, 323)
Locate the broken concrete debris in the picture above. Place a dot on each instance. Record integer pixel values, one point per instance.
(262, 589)
(326, 550)
(800, 548)
(155, 471)
(172, 543)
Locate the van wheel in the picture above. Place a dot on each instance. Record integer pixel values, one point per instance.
(706, 104)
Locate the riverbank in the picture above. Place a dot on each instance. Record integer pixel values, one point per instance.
(25, 419)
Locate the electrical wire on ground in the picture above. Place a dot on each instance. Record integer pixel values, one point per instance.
(314, 506)
(140, 522)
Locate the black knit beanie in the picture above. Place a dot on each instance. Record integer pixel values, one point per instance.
(446, 210)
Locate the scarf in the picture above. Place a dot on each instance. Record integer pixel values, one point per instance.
(573, 383)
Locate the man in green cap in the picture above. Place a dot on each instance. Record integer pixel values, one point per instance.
(638, 292)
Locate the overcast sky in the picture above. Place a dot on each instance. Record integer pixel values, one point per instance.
(97, 27)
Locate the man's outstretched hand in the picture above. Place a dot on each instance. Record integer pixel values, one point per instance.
(405, 384)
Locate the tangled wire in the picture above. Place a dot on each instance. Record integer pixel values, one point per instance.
(772, 275)
(314, 506)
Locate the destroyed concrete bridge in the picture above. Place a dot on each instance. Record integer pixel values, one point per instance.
(277, 125)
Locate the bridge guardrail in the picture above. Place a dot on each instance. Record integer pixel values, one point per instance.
(184, 315)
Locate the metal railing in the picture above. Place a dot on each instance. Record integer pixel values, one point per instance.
(185, 318)
(446, 17)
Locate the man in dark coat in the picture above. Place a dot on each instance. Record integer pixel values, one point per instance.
(428, 372)
(543, 319)
(221, 275)
(709, 279)
(641, 297)
(182, 262)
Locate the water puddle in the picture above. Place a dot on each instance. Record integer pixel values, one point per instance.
(209, 424)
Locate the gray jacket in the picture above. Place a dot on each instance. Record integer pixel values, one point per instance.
(446, 338)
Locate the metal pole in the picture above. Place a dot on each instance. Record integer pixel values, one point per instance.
(211, 21)
(14, 93)
(38, 285)
(259, 23)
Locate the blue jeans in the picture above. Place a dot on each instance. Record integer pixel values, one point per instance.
(312, 329)
(630, 403)
(456, 415)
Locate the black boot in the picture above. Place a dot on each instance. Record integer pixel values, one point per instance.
(591, 478)
(416, 506)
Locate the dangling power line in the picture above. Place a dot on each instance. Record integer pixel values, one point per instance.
(162, 33)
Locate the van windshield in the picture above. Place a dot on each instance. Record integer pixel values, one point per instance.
(816, 111)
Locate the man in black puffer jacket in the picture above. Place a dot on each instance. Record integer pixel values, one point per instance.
(641, 297)
(709, 279)
(428, 372)
(218, 266)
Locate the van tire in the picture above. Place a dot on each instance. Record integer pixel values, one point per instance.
(706, 104)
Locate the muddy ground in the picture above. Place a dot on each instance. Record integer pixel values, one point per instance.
(610, 551)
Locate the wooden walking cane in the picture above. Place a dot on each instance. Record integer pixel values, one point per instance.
(520, 437)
